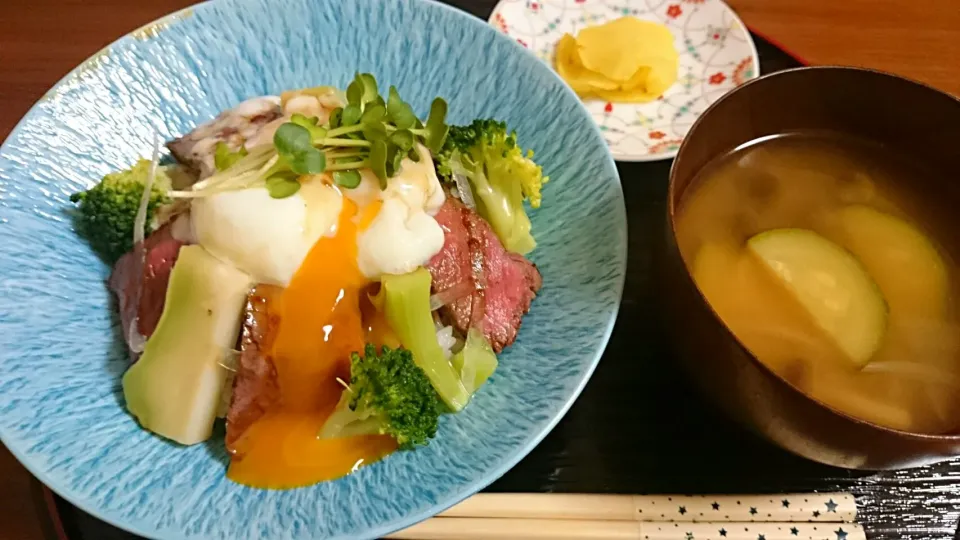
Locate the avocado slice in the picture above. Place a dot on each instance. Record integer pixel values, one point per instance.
(174, 389)
(831, 284)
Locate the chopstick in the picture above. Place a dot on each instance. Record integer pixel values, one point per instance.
(820, 507)
(566, 529)
(530, 516)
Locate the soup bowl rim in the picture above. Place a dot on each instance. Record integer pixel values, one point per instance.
(673, 198)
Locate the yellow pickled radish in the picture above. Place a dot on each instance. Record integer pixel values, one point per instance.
(625, 60)
(571, 69)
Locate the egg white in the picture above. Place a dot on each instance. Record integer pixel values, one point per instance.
(270, 238)
(265, 237)
(404, 234)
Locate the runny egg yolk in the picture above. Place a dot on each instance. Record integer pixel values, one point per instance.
(325, 315)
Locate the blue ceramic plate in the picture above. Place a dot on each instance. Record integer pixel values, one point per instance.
(61, 409)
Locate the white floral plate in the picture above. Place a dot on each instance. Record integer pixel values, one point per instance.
(716, 55)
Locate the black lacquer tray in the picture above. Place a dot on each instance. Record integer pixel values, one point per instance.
(639, 427)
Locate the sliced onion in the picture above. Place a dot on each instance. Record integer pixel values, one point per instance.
(464, 190)
(230, 360)
(477, 311)
(135, 339)
(249, 164)
(451, 295)
(228, 363)
(140, 222)
(914, 370)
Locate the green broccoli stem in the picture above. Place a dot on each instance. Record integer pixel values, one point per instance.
(476, 362)
(407, 307)
(502, 205)
(346, 422)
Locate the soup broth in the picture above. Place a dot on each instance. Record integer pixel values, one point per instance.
(849, 293)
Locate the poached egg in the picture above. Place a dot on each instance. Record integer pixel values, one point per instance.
(325, 246)
(270, 238)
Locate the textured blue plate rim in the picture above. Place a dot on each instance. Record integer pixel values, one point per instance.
(138, 528)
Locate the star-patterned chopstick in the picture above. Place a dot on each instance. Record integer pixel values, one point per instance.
(447, 528)
(794, 507)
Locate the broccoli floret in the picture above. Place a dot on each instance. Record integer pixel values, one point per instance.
(108, 210)
(501, 174)
(388, 395)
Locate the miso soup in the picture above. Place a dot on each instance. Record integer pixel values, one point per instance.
(827, 261)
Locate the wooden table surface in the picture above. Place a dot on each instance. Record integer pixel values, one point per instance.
(41, 40)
